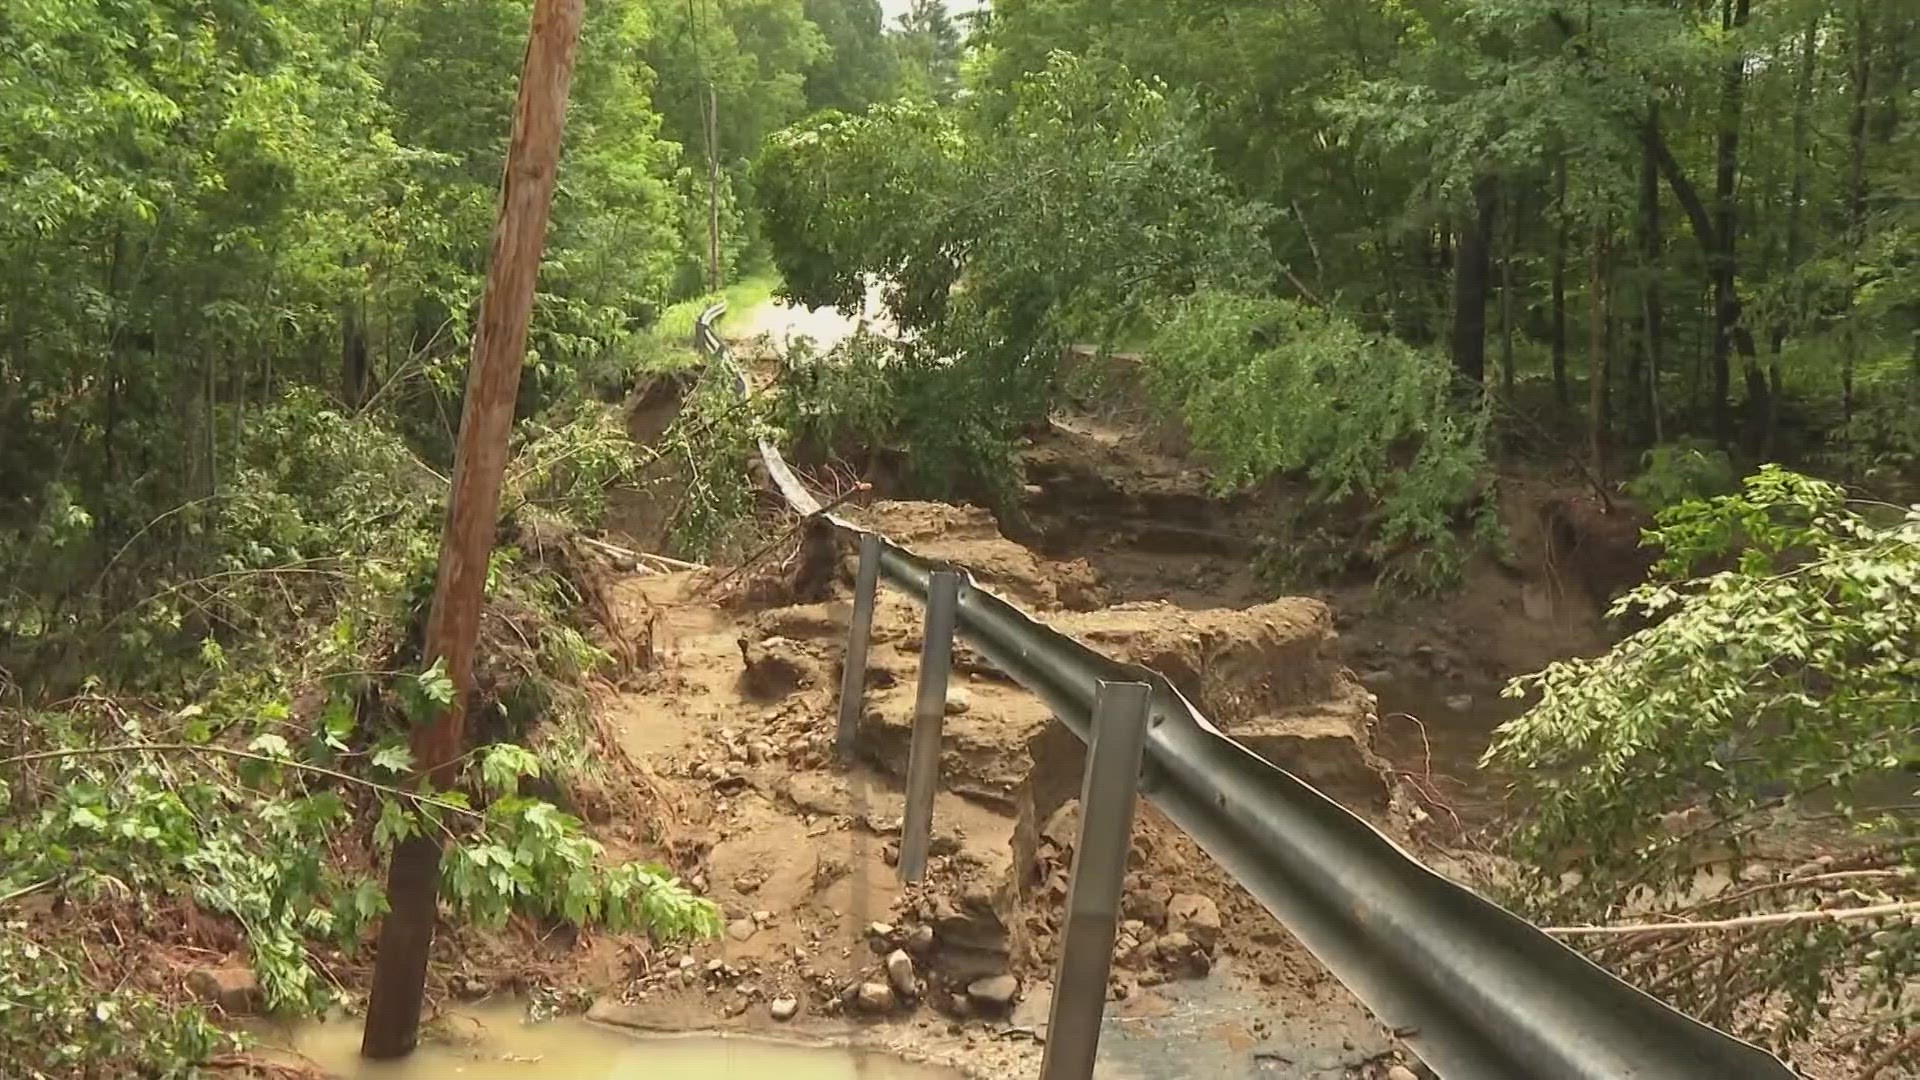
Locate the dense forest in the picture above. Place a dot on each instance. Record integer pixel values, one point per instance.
(1664, 254)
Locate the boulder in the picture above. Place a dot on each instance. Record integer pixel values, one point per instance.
(1196, 916)
(994, 994)
(874, 998)
(233, 989)
(900, 974)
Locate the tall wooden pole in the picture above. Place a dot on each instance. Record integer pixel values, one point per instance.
(713, 189)
(473, 505)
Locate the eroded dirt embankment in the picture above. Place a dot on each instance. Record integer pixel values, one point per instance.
(735, 723)
(1121, 542)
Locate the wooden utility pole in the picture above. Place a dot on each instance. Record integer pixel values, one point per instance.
(713, 189)
(473, 505)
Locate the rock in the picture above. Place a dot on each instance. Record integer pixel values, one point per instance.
(1148, 904)
(1401, 1072)
(763, 917)
(470, 987)
(920, 940)
(879, 931)
(742, 929)
(1460, 702)
(1197, 916)
(784, 1008)
(900, 974)
(233, 989)
(775, 668)
(1377, 677)
(874, 997)
(994, 994)
(1183, 956)
(958, 700)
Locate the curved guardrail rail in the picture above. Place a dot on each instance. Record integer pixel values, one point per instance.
(1475, 991)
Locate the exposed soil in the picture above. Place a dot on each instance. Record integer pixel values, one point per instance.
(735, 725)
(1121, 543)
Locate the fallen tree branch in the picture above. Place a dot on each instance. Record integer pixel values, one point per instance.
(641, 556)
(246, 755)
(1893, 1053)
(788, 533)
(1776, 918)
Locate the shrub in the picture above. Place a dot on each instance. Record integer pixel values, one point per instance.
(1711, 736)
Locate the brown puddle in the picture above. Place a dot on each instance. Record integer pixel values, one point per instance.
(493, 1043)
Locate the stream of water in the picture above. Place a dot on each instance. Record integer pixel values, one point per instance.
(492, 1043)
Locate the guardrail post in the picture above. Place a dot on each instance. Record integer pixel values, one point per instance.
(1107, 796)
(853, 680)
(929, 714)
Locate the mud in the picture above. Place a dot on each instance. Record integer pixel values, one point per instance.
(1121, 544)
(734, 725)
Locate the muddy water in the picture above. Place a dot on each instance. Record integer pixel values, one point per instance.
(492, 1043)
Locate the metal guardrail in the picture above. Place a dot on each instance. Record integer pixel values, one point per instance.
(1474, 990)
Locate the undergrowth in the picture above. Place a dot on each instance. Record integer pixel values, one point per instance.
(222, 727)
(1270, 387)
(1767, 710)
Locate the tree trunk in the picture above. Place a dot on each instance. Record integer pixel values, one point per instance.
(1726, 172)
(1471, 277)
(1856, 194)
(1896, 35)
(1724, 306)
(1646, 387)
(111, 422)
(1796, 208)
(1559, 288)
(1510, 240)
(1597, 359)
(355, 370)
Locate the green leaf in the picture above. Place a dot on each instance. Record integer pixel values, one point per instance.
(338, 721)
(503, 764)
(271, 745)
(394, 758)
(395, 824)
(434, 683)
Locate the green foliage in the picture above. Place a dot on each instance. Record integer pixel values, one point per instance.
(266, 784)
(1879, 445)
(713, 439)
(846, 397)
(1378, 127)
(861, 65)
(1272, 387)
(1680, 472)
(929, 47)
(1759, 692)
(990, 226)
(53, 1022)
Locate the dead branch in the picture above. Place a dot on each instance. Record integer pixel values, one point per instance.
(1775, 918)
